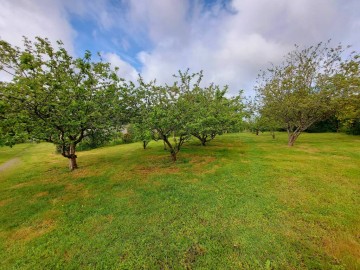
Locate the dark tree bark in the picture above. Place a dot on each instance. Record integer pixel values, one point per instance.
(70, 153)
(72, 158)
(173, 151)
(176, 146)
(173, 156)
(73, 164)
(204, 138)
(145, 143)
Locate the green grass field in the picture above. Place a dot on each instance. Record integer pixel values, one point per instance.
(243, 202)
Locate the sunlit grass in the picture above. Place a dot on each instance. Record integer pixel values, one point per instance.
(7, 153)
(243, 202)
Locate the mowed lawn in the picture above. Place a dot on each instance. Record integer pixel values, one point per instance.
(242, 202)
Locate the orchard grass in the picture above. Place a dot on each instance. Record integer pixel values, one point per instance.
(7, 153)
(242, 202)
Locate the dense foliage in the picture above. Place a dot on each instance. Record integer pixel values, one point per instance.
(57, 98)
(68, 101)
(212, 113)
(182, 109)
(309, 86)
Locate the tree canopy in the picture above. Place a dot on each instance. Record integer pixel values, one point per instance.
(347, 92)
(57, 98)
(163, 113)
(300, 91)
(184, 109)
(212, 112)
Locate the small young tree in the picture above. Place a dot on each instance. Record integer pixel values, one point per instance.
(299, 92)
(141, 108)
(255, 122)
(212, 112)
(165, 111)
(143, 133)
(57, 98)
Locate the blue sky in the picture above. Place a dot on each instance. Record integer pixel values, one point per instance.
(97, 36)
(229, 40)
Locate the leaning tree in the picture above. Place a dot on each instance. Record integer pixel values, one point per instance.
(57, 98)
(300, 91)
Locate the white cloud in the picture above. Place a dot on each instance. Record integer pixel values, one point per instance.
(231, 47)
(101, 12)
(161, 20)
(42, 18)
(125, 69)
(45, 18)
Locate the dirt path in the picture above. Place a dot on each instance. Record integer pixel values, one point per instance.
(9, 163)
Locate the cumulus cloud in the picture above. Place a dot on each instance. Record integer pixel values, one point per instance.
(45, 18)
(162, 20)
(101, 12)
(42, 18)
(229, 40)
(126, 70)
(232, 46)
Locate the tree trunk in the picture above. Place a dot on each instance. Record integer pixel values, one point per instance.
(72, 163)
(145, 143)
(203, 141)
(273, 135)
(173, 156)
(292, 138)
(72, 158)
(202, 138)
(172, 150)
(257, 132)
